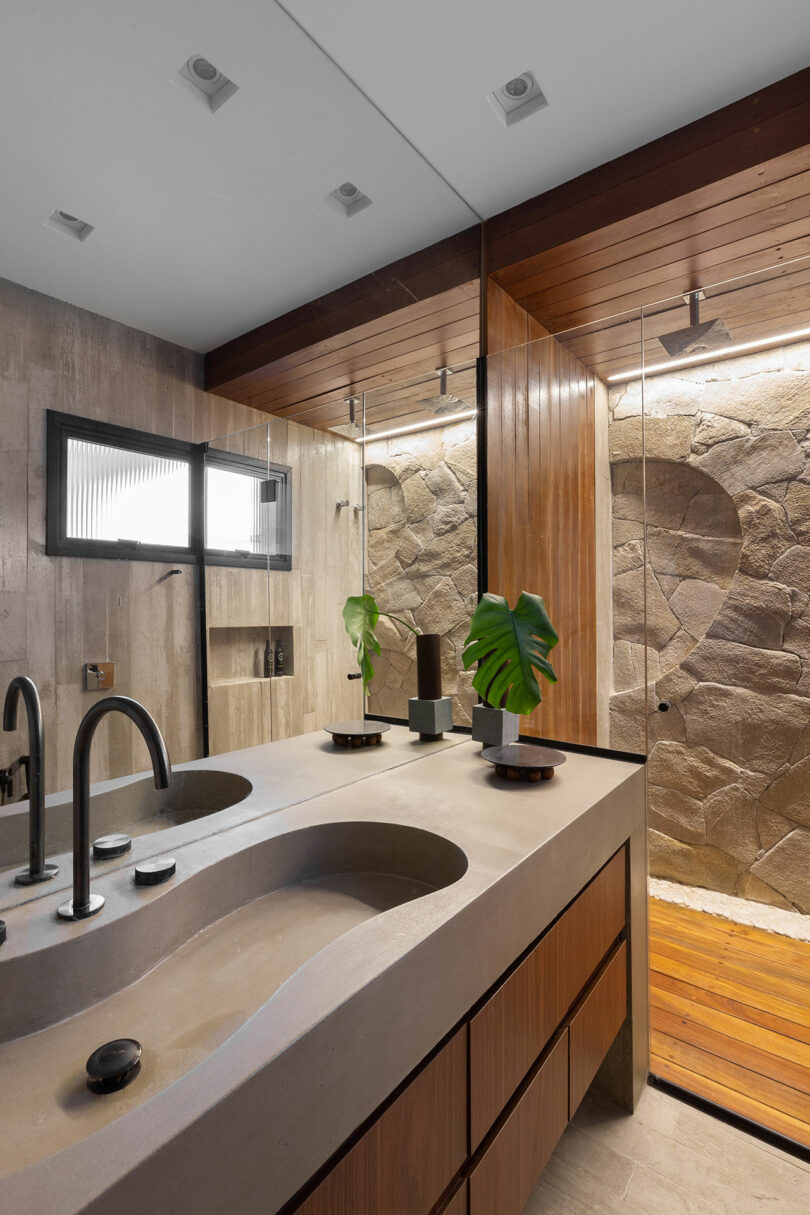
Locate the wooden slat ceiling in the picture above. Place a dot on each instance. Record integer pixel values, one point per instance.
(403, 404)
(754, 309)
(757, 219)
(311, 385)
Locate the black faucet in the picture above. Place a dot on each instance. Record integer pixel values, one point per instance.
(83, 904)
(22, 686)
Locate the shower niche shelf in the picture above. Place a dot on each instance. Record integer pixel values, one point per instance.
(245, 707)
(236, 653)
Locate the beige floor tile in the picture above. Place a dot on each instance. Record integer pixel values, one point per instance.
(667, 1158)
(742, 1151)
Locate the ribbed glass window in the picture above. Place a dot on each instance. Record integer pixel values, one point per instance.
(115, 494)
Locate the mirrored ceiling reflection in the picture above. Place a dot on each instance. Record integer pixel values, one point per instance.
(204, 220)
(421, 403)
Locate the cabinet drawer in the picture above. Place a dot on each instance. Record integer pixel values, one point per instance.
(511, 1030)
(595, 1024)
(502, 1181)
(458, 1204)
(409, 1156)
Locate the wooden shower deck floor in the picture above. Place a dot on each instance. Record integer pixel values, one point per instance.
(731, 1016)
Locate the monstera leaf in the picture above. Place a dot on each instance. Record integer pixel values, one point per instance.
(360, 615)
(510, 644)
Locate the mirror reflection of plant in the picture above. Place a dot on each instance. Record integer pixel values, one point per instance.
(360, 616)
(510, 644)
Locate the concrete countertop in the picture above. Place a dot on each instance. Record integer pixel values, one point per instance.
(294, 771)
(248, 1126)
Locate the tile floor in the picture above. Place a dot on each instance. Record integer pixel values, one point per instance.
(667, 1159)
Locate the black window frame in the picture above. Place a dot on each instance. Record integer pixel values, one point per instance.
(64, 426)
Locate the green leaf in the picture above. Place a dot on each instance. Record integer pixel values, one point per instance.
(360, 616)
(510, 645)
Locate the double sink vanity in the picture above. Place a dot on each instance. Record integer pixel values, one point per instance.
(380, 980)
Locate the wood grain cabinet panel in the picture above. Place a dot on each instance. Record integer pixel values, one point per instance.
(408, 1158)
(511, 1030)
(458, 1204)
(502, 1181)
(595, 1024)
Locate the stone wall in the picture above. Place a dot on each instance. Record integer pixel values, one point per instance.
(728, 621)
(421, 558)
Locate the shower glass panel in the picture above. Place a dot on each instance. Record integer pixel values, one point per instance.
(242, 633)
(566, 519)
(726, 391)
(421, 508)
(727, 447)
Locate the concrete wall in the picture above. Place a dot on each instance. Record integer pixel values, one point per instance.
(421, 558)
(57, 613)
(728, 621)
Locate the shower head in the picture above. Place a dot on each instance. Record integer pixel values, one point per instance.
(445, 402)
(699, 336)
(351, 429)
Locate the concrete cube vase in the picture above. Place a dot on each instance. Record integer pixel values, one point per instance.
(494, 727)
(429, 713)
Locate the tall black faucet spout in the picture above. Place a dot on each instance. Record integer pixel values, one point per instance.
(23, 687)
(83, 904)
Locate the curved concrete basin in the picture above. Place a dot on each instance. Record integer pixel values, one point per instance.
(137, 808)
(308, 887)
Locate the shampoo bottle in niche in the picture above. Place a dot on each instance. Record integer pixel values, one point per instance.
(268, 659)
(279, 658)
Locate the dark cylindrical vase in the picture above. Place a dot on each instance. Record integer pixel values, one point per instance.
(428, 666)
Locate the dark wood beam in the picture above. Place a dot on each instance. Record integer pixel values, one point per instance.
(430, 272)
(732, 142)
(767, 124)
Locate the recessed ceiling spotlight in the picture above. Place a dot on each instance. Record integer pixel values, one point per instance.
(348, 198)
(68, 225)
(207, 82)
(518, 98)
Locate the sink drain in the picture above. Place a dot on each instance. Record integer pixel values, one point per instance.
(114, 1065)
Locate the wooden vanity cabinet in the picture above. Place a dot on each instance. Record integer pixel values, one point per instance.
(473, 1130)
(407, 1159)
(506, 1173)
(458, 1204)
(511, 1030)
(595, 1023)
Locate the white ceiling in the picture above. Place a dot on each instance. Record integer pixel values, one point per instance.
(207, 225)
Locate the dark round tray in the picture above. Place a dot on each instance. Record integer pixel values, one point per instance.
(524, 761)
(357, 733)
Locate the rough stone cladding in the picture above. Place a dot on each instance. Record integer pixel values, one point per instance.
(728, 621)
(421, 558)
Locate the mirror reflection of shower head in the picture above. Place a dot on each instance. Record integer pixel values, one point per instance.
(445, 402)
(351, 429)
(700, 336)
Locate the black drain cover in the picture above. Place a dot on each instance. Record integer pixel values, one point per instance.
(114, 1065)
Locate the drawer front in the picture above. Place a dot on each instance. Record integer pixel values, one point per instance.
(502, 1181)
(509, 1033)
(595, 1024)
(406, 1160)
(458, 1204)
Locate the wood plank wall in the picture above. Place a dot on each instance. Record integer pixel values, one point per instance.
(541, 513)
(57, 613)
